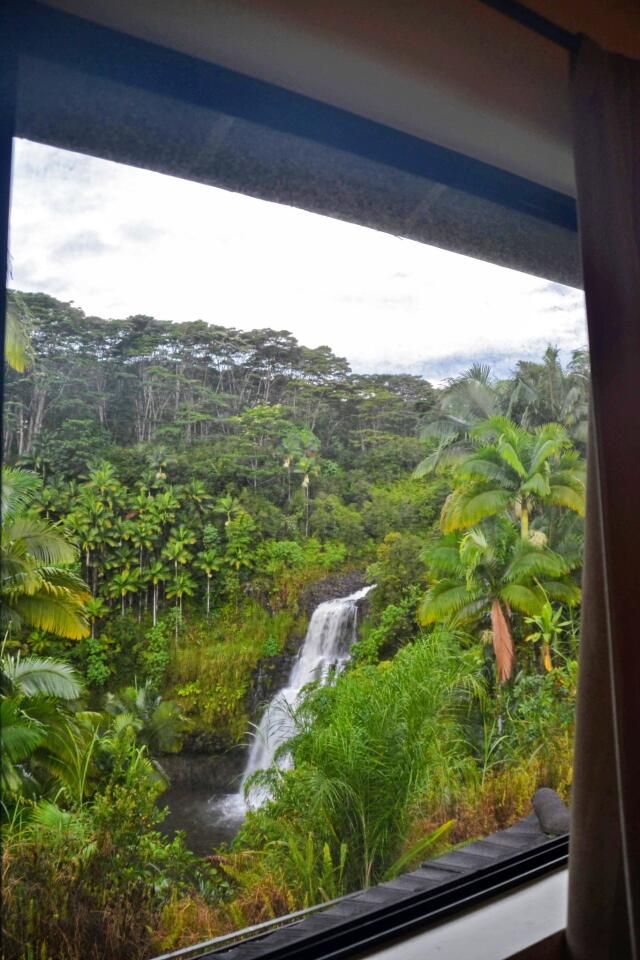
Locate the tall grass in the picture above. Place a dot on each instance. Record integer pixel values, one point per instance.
(369, 748)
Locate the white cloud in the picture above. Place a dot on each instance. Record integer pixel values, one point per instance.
(120, 241)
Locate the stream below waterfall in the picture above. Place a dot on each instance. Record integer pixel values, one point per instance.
(208, 817)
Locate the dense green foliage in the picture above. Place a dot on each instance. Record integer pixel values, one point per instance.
(38, 589)
(175, 490)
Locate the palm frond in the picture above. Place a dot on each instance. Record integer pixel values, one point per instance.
(20, 735)
(527, 600)
(445, 428)
(443, 556)
(44, 542)
(445, 601)
(509, 454)
(18, 490)
(502, 642)
(531, 563)
(42, 675)
(564, 591)
(54, 614)
(467, 507)
(498, 426)
(538, 483)
(449, 452)
(483, 465)
(17, 344)
(565, 496)
(545, 449)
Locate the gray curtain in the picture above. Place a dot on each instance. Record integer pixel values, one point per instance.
(604, 879)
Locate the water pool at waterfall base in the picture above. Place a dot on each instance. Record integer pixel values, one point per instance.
(196, 811)
(209, 817)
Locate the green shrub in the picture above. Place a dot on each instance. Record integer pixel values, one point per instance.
(97, 666)
(270, 647)
(397, 566)
(156, 656)
(331, 519)
(405, 506)
(397, 626)
(91, 883)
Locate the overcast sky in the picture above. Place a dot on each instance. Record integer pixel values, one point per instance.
(119, 241)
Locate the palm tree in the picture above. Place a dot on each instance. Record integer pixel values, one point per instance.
(123, 583)
(143, 534)
(484, 575)
(91, 521)
(183, 585)
(308, 467)
(28, 688)
(467, 399)
(37, 588)
(514, 470)
(163, 507)
(103, 479)
(545, 392)
(156, 574)
(95, 608)
(197, 495)
(158, 723)
(208, 561)
(229, 506)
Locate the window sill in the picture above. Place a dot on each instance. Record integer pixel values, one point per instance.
(527, 923)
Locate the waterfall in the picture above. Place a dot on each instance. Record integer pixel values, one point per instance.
(326, 649)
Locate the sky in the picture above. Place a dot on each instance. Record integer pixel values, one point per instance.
(119, 241)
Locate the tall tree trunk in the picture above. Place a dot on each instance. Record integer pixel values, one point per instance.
(502, 641)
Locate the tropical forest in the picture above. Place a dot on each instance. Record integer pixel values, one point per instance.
(272, 630)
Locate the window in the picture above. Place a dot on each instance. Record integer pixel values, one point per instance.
(266, 490)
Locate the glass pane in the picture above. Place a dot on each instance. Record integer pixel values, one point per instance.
(292, 555)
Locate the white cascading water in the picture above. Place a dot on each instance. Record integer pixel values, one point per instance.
(326, 649)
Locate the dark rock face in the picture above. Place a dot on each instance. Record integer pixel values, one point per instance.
(271, 675)
(208, 742)
(335, 585)
(194, 769)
